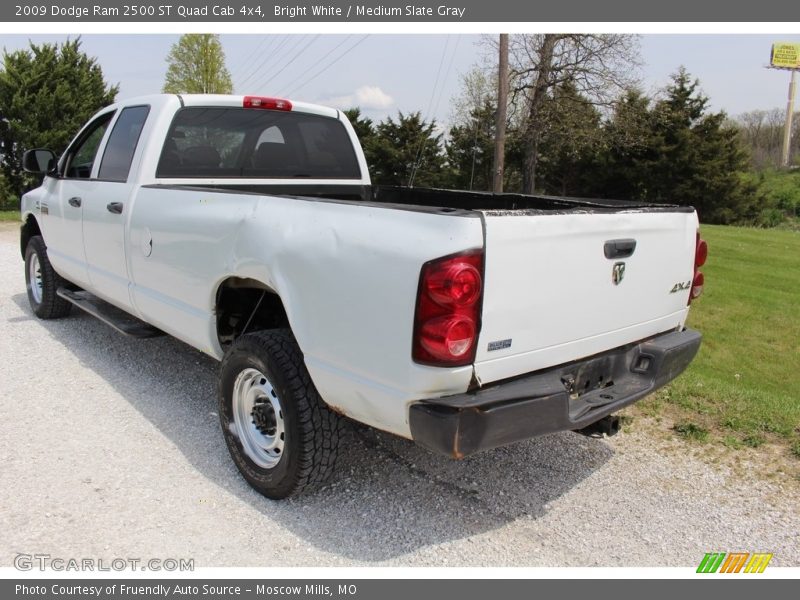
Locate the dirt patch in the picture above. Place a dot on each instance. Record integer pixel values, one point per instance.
(769, 462)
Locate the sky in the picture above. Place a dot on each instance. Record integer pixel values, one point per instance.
(384, 74)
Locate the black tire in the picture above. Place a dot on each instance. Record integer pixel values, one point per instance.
(48, 305)
(310, 445)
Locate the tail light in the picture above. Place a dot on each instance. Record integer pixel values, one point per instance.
(266, 103)
(447, 319)
(700, 256)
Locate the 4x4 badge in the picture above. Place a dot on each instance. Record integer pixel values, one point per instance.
(617, 273)
(681, 286)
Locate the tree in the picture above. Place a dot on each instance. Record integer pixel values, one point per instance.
(47, 93)
(629, 149)
(363, 125)
(8, 198)
(701, 158)
(678, 152)
(762, 133)
(197, 66)
(478, 86)
(365, 131)
(407, 151)
(470, 149)
(599, 66)
(570, 144)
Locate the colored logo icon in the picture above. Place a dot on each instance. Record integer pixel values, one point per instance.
(734, 562)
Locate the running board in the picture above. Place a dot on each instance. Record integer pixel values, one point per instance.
(109, 314)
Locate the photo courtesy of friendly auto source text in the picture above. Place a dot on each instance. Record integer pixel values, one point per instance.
(359, 288)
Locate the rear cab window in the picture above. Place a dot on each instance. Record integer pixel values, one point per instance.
(122, 142)
(231, 142)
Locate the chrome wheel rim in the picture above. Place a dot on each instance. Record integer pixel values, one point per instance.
(258, 418)
(35, 278)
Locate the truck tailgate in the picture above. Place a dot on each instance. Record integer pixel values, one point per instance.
(551, 295)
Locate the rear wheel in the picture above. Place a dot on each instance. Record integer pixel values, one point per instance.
(281, 435)
(42, 282)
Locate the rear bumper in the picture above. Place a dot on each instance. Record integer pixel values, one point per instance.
(568, 397)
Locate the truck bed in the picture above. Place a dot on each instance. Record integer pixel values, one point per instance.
(440, 200)
(498, 203)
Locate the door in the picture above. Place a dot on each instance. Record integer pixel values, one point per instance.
(62, 216)
(104, 209)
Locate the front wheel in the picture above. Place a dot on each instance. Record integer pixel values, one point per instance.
(42, 282)
(281, 435)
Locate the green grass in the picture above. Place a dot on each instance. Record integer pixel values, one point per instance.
(9, 215)
(745, 382)
(691, 431)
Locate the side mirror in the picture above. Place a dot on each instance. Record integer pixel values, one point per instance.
(40, 161)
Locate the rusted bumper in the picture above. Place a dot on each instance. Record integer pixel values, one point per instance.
(568, 397)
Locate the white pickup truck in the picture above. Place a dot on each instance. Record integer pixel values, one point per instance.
(247, 227)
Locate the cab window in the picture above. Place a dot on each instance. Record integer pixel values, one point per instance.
(118, 155)
(81, 155)
(230, 142)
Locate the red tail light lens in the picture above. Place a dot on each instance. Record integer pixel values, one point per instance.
(700, 256)
(459, 284)
(447, 318)
(448, 336)
(266, 103)
(697, 285)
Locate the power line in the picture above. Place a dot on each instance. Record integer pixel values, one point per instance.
(280, 59)
(415, 164)
(256, 49)
(294, 58)
(252, 68)
(446, 75)
(418, 156)
(267, 58)
(316, 63)
(327, 66)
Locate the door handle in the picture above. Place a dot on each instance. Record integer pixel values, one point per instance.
(75, 201)
(619, 248)
(114, 207)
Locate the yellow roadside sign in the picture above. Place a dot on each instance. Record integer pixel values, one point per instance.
(785, 55)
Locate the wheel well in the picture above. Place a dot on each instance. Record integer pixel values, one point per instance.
(29, 229)
(247, 305)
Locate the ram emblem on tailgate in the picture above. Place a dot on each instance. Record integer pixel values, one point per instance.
(617, 273)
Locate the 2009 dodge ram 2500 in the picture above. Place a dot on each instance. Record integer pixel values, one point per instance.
(247, 227)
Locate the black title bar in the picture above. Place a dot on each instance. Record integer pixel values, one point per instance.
(441, 11)
(396, 589)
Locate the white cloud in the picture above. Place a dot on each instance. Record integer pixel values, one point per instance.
(367, 97)
(373, 97)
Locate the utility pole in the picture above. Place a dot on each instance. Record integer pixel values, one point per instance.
(786, 57)
(502, 111)
(787, 131)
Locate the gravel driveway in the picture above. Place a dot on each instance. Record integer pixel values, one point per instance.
(110, 447)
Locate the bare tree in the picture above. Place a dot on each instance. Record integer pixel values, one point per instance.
(762, 133)
(598, 66)
(477, 85)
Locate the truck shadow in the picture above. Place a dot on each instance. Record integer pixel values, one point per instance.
(390, 496)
